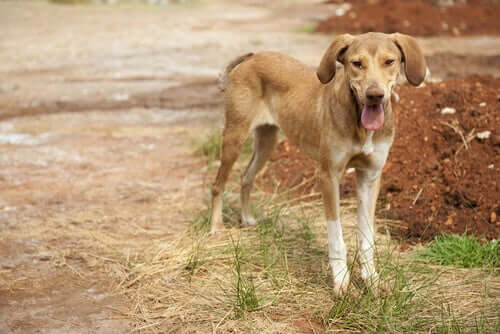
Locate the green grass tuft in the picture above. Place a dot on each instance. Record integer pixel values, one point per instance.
(461, 251)
(306, 29)
(211, 145)
(244, 291)
(390, 313)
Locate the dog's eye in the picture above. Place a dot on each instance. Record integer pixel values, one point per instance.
(389, 62)
(357, 64)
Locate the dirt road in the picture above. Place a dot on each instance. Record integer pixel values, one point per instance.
(99, 107)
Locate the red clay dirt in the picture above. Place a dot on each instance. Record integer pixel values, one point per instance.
(417, 18)
(432, 181)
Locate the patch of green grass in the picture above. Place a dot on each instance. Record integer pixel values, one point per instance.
(195, 260)
(201, 224)
(393, 312)
(271, 251)
(211, 146)
(243, 291)
(461, 251)
(449, 323)
(306, 29)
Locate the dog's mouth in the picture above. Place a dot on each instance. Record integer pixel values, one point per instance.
(372, 116)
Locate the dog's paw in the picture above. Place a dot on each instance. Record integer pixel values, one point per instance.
(341, 282)
(248, 221)
(216, 231)
(340, 288)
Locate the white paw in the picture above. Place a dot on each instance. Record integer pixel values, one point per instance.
(340, 285)
(341, 279)
(248, 221)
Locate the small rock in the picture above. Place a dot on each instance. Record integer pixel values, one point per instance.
(491, 166)
(493, 217)
(448, 111)
(340, 11)
(7, 265)
(483, 135)
(44, 257)
(120, 97)
(482, 104)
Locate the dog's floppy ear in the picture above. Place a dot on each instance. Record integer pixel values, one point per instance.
(327, 67)
(413, 58)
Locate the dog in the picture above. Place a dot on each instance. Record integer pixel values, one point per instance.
(340, 116)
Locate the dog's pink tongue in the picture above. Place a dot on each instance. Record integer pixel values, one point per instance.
(372, 117)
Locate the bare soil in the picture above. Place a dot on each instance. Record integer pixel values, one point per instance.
(416, 17)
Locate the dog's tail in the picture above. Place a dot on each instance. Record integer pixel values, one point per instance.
(223, 76)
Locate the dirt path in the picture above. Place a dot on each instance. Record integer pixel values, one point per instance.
(119, 174)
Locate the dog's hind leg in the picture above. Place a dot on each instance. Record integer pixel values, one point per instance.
(240, 105)
(265, 139)
(232, 141)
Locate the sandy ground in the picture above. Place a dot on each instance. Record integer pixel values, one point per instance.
(143, 80)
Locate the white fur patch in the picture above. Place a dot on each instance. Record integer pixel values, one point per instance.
(366, 185)
(368, 145)
(337, 252)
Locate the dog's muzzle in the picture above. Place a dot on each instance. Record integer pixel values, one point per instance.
(372, 113)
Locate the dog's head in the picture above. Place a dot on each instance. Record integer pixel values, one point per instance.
(372, 63)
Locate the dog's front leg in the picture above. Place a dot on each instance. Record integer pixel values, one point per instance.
(368, 184)
(337, 253)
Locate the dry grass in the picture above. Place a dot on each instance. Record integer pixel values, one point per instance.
(274, 278)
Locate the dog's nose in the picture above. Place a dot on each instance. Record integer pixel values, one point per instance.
(374, 94)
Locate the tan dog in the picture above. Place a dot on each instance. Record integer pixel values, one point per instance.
(342, 120)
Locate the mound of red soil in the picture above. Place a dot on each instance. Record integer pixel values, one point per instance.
(416, 17)
(440, 176)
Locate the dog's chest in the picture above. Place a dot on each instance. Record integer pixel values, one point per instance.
(373, 152)
(367, 148)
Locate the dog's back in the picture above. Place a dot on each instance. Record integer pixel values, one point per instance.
(222, 82)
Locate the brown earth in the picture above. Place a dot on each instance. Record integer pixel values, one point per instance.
(433, 182)
(416, 17)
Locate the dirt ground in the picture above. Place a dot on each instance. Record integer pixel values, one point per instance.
(98, 111)
(416, 17)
